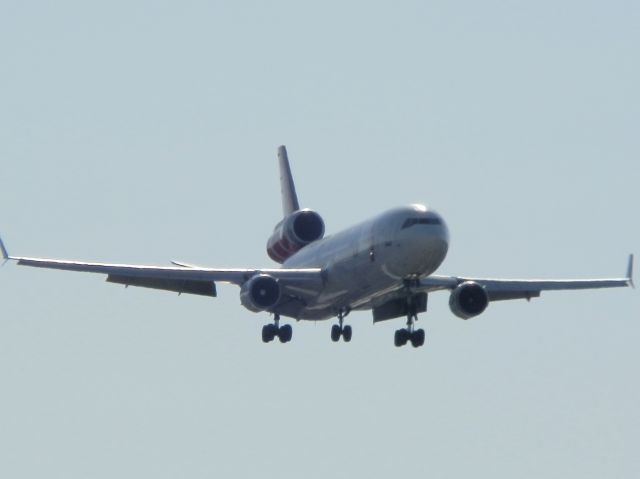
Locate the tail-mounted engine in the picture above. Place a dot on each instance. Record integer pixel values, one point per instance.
(260, 293)
(293, 233)
(469, 299)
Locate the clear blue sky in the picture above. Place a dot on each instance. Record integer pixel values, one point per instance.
(145, 131)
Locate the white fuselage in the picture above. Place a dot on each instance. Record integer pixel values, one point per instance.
(369, 259)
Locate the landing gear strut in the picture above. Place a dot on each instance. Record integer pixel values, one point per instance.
(270, 331)
(338, 330)
(410, 334)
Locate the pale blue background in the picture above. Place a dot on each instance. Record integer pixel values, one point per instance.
(145, 131)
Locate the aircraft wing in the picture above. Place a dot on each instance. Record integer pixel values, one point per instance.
(503, 289)
(180, 279)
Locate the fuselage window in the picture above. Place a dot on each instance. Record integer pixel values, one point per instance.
(409, 222)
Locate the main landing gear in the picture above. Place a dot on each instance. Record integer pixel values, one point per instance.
(338, 330)
(270, 331)
(409, 334)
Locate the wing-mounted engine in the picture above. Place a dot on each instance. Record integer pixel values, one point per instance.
(468, 299)
(294, 232)
(260, 293)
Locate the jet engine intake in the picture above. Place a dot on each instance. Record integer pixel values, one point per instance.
(468, 299)
(293, 233)
(260, 293)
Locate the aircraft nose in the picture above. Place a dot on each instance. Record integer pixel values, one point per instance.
(424, 252)
(437, 243)
(438, 228)
(443, 231)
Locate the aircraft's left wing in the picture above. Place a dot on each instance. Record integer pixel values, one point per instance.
(181, 279)
(502, 289)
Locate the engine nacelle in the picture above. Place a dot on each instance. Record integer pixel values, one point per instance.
(260, 293)
(293, 233)
(469, 299)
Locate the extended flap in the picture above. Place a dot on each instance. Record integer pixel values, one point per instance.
(202, 288)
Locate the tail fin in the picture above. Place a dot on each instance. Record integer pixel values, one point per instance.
(289, 197)
(630, 271)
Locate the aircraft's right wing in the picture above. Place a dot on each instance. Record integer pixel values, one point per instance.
(181, 279)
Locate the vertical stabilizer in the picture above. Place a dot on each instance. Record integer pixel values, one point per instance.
(289, 197)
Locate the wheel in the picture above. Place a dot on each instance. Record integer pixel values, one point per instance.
(268, 333)
(335, 333)
(284, 333)
(417, 338)
(346, 333)
(401, 337)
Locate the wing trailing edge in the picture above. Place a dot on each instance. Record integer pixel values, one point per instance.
(202, 288)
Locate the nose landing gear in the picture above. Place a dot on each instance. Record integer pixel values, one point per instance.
(338, 330)
(403, 336)
(410, 334)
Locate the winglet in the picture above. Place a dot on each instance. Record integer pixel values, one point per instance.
(630, 271)
(3, 250)
(289, 197)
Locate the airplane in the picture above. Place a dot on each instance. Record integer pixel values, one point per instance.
(384, 264)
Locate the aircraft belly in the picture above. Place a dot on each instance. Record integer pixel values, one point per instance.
(348, 284)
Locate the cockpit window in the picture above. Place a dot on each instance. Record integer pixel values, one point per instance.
(421, 221)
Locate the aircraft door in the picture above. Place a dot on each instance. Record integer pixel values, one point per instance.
(362, 258)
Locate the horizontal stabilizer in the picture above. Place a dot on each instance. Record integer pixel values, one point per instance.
(184, 265)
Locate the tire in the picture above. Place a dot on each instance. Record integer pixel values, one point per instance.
(401, 337)
(347, 332)
(335, 333)
(285, 333)
(268, 333)
(417, 338)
